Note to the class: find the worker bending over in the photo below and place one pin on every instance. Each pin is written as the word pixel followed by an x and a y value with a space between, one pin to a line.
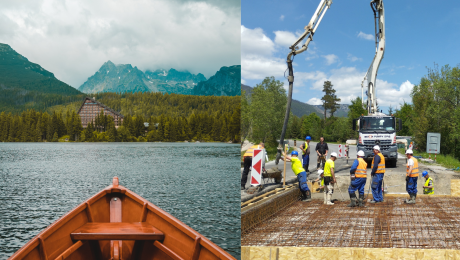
pixel 428 188
pixel 378 171
pixel 306 153
pixel 320 181
pixel 358 177
pixel 329 178
pixel 299 171
pixel 411 177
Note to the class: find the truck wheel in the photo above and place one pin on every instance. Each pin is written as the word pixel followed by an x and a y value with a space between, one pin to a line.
pixel 394 163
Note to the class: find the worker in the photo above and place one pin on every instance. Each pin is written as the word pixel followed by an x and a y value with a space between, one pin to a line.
pixel 358 177
pixel 377 173
pixel 329 178
pixel 320 181
pixel 247 163
pixel 306 153
pixel 428 188
pixel 321 151
pixel 299 171
pixel 411 177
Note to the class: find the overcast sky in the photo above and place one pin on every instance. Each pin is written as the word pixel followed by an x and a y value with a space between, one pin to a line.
pixel 73 38
pixel 418 34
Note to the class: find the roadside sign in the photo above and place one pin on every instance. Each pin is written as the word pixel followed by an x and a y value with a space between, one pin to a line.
pixel 433 143
pixel 340 151
pixel 257 163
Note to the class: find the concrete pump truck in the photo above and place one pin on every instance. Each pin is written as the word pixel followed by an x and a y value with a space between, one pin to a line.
pixel 377 128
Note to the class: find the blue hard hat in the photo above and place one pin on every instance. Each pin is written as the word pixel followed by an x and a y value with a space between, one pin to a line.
pixel 294 153
pixel 424 173
pixel 308 137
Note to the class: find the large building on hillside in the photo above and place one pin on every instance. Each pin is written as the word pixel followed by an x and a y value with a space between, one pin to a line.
pixel 91 108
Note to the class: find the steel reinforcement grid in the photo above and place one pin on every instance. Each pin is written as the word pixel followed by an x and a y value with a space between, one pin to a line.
pixel 433 222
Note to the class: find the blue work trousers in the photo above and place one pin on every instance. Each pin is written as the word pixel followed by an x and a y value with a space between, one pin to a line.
pixel 411 185
pixel 377 187
pixel 306 161
pixel 302 178
pixel 357 184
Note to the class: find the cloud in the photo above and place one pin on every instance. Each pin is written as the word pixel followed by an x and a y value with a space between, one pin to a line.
pixel 282 18
pixel 347 82
pixel 73 39
pixel 257 55
pixel 352 58
pixel 315 101
pixel 285 38
pixel 330 59
pixel 365 36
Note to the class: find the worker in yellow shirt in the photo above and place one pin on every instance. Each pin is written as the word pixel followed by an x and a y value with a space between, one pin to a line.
pixel 329 178
pixel 299 171
pixel 428 188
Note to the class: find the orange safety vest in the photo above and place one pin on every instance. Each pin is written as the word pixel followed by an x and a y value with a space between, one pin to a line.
pixel 414 172
pixel 361 170
pixel 250 152
pixel 381 166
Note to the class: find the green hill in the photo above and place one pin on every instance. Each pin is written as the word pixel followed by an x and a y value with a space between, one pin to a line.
pixel 26 85
pixel 297 108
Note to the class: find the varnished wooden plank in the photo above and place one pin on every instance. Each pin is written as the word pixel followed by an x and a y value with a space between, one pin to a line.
pixel 69 251
pixel 117 231
pixel 168 251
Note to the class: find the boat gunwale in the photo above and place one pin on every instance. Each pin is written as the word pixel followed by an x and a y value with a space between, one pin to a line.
pixel 53 227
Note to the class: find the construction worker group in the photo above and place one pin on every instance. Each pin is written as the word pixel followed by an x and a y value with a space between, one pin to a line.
pixel 358 176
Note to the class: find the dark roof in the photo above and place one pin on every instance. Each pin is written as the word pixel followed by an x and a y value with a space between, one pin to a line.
pixel 102 105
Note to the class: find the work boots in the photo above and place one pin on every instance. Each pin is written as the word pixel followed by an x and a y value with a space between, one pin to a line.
pixel 412 199
pixel 353 200
pixel 361 200
pixel 329 196
pixel 307 196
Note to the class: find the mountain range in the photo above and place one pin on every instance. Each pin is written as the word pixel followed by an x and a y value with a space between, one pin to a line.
pixel 300 109
pixel 126 78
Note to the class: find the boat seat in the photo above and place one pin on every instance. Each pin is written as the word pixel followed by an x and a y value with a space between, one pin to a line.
pixel 117 231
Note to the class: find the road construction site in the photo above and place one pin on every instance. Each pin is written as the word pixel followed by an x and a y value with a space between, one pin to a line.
pixel 273 220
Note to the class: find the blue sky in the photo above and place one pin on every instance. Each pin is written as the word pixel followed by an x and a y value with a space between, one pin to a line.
pixel 418 34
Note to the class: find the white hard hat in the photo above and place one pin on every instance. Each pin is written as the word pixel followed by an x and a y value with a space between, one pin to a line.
pixel 361 153
pixel 377 148
pixel 409 151
pixel 320 171
pixel 334 154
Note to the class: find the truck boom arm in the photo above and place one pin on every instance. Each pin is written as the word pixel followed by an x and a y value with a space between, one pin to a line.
pixel 310 30
pixel 371 75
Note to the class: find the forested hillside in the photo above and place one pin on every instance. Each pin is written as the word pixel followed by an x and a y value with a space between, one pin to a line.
pixel 171 117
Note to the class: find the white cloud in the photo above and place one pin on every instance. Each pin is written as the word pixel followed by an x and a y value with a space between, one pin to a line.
pixel 352 58
pixel 243 81
pixel 365 36
pixel 315 101
pixel 73 39
pixel 347 82
pixel 282 18
pixel 330 58
pixel 257 60
pixel 285 38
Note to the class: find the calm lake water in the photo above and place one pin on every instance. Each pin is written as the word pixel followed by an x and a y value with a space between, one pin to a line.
pixel 196 183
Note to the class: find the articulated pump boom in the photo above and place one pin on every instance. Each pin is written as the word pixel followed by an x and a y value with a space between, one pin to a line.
pixel 371 75
pixel 377 128
pixel 310 30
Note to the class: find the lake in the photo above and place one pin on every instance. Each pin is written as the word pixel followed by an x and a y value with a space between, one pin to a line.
pixel 196 183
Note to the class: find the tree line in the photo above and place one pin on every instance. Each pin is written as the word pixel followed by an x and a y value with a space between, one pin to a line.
pixel 200 119
pixel 263 115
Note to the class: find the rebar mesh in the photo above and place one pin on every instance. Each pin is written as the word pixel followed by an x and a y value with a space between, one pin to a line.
pixel 434 222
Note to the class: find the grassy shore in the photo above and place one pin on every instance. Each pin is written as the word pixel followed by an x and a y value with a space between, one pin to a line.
pixel 447 161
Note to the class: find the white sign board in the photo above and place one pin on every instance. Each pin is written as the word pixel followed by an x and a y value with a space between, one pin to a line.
pixel 433 143
pixel 258 160
pixel 340 150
